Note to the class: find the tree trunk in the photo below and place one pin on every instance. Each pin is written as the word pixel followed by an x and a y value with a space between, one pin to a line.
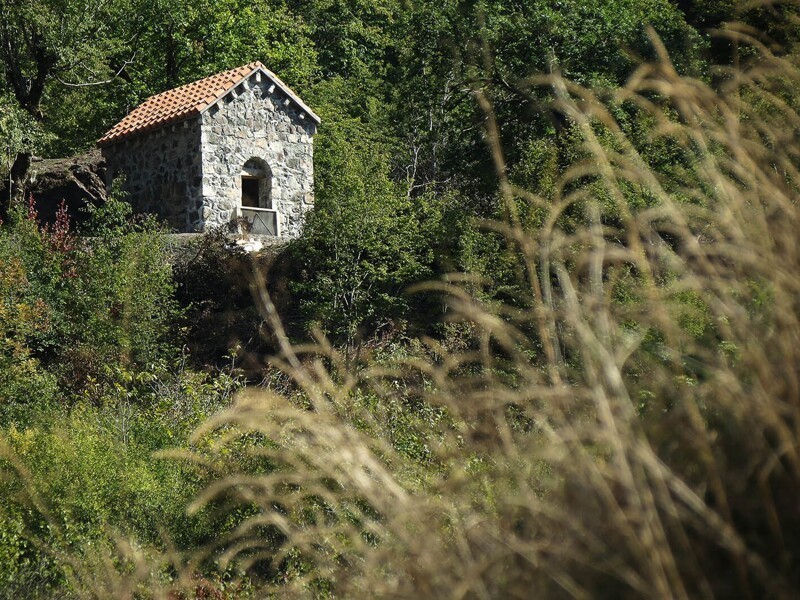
pixel 18 177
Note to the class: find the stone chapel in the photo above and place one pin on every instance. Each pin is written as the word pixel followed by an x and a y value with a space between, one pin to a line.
pixel 236 145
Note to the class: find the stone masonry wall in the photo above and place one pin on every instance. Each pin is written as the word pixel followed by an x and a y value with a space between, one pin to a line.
pixel 255 121
pixel 163 173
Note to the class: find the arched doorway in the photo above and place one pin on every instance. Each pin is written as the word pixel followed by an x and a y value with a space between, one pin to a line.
pixel 256 201
pixel 256 184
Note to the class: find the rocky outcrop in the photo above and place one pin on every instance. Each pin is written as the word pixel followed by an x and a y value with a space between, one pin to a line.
pixel 78 181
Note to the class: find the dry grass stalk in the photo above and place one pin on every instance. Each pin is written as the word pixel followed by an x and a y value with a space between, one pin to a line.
pixel 632 432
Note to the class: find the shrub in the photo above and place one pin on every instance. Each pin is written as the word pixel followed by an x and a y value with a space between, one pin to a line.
pixel 365 243
pixel 74 308
pixel 81 486
pixel 213 278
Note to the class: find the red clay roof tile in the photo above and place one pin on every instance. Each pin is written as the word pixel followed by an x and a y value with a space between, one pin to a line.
pixel 190 99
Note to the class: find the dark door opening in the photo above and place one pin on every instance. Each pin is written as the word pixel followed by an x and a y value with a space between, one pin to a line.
pixel 250 192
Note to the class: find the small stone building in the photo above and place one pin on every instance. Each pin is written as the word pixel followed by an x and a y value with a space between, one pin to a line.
pixel 234 145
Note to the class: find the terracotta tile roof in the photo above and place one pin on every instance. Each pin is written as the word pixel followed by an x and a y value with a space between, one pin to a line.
pixel 189 100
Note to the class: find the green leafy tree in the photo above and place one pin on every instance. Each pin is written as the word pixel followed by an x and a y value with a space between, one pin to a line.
pixel 365 242
pixel 43 42
pixel 178 41
pixel 20 133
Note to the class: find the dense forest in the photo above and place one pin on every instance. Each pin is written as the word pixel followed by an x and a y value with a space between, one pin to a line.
pixel 538 337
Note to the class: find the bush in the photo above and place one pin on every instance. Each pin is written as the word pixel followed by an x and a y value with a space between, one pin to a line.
pixel 81 484
pixel 78 308
pixel 365 243
pixel 213 279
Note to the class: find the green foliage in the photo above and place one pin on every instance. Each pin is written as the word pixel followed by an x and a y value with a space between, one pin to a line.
pixel 125 302
pixel 75 309
pixel 352 37
pixel 24 319
pixel 366 241
pixel 19 132
pixel 126 291
pixel 55 46
pixel 181 40
pixel 76 482
pixel 582 39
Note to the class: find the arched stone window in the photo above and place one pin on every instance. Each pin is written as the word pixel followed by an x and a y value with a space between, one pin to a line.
pixel 256 184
